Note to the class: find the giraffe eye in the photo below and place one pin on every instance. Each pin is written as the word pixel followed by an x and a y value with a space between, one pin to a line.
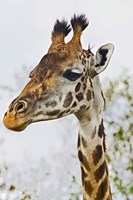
pixel 72 75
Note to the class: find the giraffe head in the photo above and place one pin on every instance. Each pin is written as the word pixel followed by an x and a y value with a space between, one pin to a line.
pixel 61 83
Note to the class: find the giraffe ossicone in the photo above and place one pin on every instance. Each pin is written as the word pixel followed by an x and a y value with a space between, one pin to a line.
pixel 66 81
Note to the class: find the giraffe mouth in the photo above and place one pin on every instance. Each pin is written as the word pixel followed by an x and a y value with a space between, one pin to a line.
pixel 13 124
pixel 18 129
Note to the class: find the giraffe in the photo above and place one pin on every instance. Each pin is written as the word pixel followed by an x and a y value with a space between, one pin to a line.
pixel 66 81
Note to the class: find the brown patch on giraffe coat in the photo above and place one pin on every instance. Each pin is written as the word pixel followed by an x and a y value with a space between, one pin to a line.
pixel 80 156
pixel 83 78
pixel 93 133
pixel 74 104
pixel 93 94
pixel 54 112
pixel 89 54
pixel 84 86
pixel 79 97
pixel 89 96
pixel 88 187
pixel 83 160
pixel 86 183
pixel 91 83
pixel 82 107
pixel 86 77
pixel 97 154
pixel 101 133
pixel 51 104
pixel 68 100
pixel 103 98
pixel 100 171
pixel 79 57
pixel 102 190
pixel 38 113
pixel 107 170
pixel 83 61
pixel 101 130
pixel 78 144
pixel 77 88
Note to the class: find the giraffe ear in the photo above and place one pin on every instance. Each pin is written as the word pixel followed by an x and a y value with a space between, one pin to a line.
pixel 102 57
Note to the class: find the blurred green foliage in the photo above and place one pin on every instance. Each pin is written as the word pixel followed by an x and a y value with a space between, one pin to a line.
pixel 119 125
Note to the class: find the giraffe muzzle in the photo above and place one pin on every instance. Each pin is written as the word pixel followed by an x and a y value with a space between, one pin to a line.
pixel 13 118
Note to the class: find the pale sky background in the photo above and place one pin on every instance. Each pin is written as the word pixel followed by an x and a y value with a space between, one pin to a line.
pixel 25 35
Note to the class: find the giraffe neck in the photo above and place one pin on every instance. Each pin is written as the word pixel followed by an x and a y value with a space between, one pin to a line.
pixel 91 153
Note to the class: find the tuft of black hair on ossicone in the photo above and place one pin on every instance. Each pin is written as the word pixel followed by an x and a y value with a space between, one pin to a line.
pixel 61 27
pixel 80 20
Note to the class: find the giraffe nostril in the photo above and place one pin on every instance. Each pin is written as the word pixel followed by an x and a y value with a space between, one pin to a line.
pixel 20 106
